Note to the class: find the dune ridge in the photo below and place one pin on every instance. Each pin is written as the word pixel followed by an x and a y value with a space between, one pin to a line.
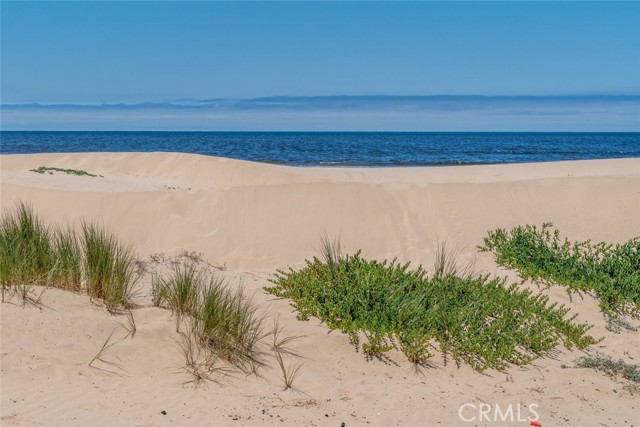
pixel 260 216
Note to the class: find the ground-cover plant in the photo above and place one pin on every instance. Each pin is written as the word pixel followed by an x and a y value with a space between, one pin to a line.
pixel 611 272
pixel 614 369
pixel 474 319
pixel 35 254
pixel 617 324
pixel 51 170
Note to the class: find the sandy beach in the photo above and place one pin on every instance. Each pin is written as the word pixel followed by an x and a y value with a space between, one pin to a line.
pixel 250 219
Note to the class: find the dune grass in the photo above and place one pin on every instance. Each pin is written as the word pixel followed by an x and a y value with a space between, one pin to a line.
pixel 474 319
pixel 67 259
pixel 222 320
pixel 289 372
pixel 229 324
pixel 109 267
pixel 35 254
pixel 179 291
pixel 26 248
pixel 611 272
pixel 221 331
pixel 200 363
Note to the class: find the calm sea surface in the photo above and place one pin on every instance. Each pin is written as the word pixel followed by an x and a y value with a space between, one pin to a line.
pixel 342 148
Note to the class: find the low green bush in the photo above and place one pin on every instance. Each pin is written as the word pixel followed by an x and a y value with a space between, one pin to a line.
pixel 475 319
pixel 611 272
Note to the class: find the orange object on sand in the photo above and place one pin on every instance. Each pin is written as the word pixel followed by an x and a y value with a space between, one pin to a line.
pixel 536 423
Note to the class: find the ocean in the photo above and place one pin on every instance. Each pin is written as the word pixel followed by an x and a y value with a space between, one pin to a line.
pixel 342 148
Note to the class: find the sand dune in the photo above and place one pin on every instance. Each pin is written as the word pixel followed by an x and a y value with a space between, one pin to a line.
pixel 254 218
pixel 260 216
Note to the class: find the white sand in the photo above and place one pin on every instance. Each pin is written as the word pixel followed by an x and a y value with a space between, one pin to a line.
pixel 255 218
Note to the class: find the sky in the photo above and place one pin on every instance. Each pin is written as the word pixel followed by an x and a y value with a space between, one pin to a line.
pixel 550 57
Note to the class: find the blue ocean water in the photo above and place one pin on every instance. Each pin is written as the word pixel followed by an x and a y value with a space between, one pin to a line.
pixel 342 148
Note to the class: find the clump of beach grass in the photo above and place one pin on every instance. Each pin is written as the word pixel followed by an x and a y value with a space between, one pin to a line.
pixel 611 272
pixel 35 254
pixel 67 259
pixel 180 290
pixel 110 268
pixel 26 248
pixel 229 324
pixel 222 321
pixel 478 320
pixel 200 363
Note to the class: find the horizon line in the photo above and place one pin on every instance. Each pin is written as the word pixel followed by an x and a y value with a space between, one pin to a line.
pixel 180 102
pixel 297 131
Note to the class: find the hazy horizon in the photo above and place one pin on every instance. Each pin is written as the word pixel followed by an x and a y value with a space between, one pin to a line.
pixel 440 66
pixel 594 113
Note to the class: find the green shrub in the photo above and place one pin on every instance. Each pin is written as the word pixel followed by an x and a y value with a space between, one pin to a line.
pixel 612 273
pixel 474 319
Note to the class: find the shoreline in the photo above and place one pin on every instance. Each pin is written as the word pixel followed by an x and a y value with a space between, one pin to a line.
pixel 331 165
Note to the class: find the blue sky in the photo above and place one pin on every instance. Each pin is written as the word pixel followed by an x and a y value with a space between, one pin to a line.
pixel 93 53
